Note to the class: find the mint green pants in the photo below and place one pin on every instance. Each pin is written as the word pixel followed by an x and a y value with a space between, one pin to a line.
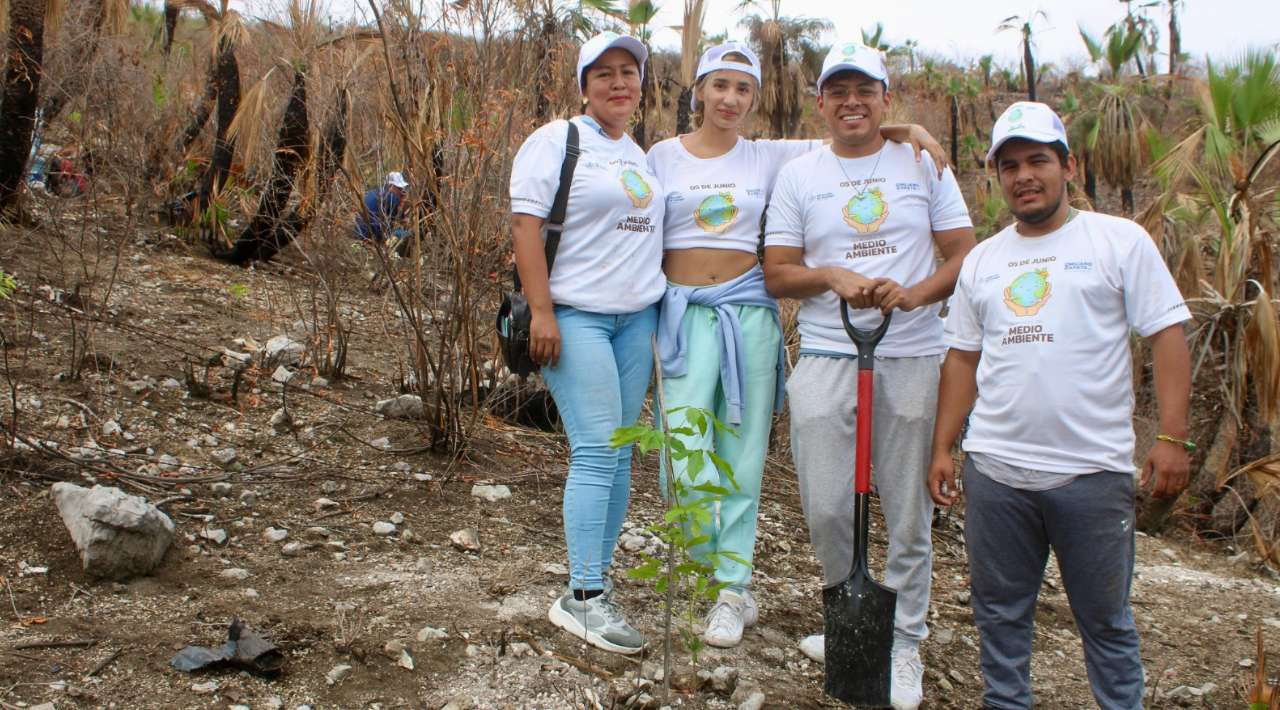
pixel 735 530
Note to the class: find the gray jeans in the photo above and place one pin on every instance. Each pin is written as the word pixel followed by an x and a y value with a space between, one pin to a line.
pixel 823 396
pixel 1008 533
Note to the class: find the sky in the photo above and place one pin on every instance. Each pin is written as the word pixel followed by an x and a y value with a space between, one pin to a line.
pixel 959 29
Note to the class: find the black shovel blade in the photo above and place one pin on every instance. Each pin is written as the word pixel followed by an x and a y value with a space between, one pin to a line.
pixel 859 639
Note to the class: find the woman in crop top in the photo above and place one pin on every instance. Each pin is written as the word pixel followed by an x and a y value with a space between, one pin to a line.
pixel 593 319
pixel 719 335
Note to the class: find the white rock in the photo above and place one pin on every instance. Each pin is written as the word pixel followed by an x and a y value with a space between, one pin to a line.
pixel 492 494
pixel 632 542
pixel 205 688
pixel 724 679
pixel 235 360
pixel 217 536
pixel 381 442
pixel 429 633
pixel 248 498
pixel 324 504
pixel 383 528
pixel 168 463
pixel 755 701
pixel 467 540
pixel 337 673
pixel 234 573
pixel 283 350
pixel 520 649
pixel 556 568
pixel 251 593
pixel 275 702
pixel 275 534
pixel 406 661
pixel 224 457
pixel 397 518
pixel 282 375
pixel 220 489
pixel 422 477
pixel 171 384
pixel 112 428
pixel 406 406
pixel 282 422
pixel 293 549
pixel 117 535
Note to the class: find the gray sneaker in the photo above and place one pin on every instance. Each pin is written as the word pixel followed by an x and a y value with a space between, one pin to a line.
pixel 596 621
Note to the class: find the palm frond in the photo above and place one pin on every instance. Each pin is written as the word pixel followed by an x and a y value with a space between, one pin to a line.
pixel 251 129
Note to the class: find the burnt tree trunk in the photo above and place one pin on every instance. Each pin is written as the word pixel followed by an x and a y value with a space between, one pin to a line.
pixel 684 117
pixel 543 108
pixel 267 233
pixel 226 78
pixel 21 95
pixel 171 12
pixel 1175 39
pixel 1126 200
pixel 1090 181
pixel 646 98
pixel 1029 66
pixel 955 132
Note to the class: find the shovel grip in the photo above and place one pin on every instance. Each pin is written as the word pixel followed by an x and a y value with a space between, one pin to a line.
pixel 864 340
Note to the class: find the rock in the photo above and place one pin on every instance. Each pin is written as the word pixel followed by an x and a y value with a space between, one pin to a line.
pixel 234 360
pixel 170 383
pixel 234 573
pixel 1208 688
pixel 275 702
pixel 1173 556
pixel 137 387
pixel 406 660
pixel 755 701
pixel 319 382
pixel 324 504
pixel 956 676
pixel 275 535
pixel 430 633
pixel 724 679
pixel 248 498
pixel 283 350
pixel 556 569
pixel 644 701
pixel 337 674
pixel 775 655
pixel 397 518
pixel 282 422
pixel 631 542
pixel 944 637
pixel 112 428
pixel 945 685
pixel 117 535
pixel 520 649
pixel 686 680
pixel 282 375
pixel 492 494
pixel 422 477
pixel 224 457
pixel 406 406
pixel 329 487
pixel 221 489
pixel 315 532
pixel 383 528
pixel 217 536
pixel 168 463
pixel 207 688
pixel 467 540
pixel 381 442
pixel 459 702
pixel 293 549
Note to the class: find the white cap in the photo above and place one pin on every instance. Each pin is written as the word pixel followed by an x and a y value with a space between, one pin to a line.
pixel 395 179
pixel 854 56
pixel 603 42
pixel 713 60
pixel 1031 120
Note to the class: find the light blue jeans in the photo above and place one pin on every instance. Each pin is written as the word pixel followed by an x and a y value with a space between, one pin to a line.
pixel 598 385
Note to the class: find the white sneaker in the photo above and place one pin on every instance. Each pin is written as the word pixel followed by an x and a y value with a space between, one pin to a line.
pixel 905 692
pixel 732 612
pixel 815 647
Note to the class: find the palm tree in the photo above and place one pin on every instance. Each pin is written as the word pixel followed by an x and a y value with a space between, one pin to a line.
pixel 1025 29
pixel 1113 140
pixel 1213 207
pixel 21 96
pixel 777 40
pixel 1175 37
pixel 875 38
pixel 695 13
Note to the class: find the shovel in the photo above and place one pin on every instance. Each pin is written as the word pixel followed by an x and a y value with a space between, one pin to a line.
pixel 859 611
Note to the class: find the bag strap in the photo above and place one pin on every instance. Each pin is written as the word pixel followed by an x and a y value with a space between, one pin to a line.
pixel 555 220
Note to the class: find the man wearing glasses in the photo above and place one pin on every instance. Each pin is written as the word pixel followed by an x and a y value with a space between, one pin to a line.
pixel 859 220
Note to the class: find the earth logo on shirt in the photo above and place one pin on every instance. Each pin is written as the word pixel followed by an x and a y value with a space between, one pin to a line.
pixel 717 213
pixel 866 211
pixel 1028 293
pixel 638 191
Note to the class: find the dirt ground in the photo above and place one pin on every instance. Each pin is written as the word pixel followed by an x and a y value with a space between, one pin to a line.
pixel 340 596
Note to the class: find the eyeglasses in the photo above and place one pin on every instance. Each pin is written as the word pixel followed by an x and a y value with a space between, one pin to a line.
pixel 864 92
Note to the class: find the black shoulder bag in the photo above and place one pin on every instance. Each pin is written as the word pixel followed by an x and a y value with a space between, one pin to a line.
pixel 514 316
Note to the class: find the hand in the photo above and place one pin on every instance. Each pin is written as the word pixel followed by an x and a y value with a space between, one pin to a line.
pixel 1171 467
pixel 544 337
pixel 943 487
pixel 922 140
pixel 853 287
pixel 890 294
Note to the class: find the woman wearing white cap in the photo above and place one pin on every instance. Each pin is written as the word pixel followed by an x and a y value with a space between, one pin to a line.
pixel 594 317
pixel 719 334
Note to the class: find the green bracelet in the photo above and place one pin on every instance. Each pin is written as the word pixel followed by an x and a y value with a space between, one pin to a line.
pixel 1188 445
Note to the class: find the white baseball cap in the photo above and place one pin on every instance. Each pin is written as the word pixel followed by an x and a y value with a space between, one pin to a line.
pixel 395 179
pixel 855 56
pixel 603 42
pixel 1031 120
pixel 713 60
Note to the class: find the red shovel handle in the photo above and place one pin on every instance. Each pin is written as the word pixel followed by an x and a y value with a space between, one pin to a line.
pixel 865 341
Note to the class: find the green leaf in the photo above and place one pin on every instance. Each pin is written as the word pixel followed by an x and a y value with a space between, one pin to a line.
pixel 712 489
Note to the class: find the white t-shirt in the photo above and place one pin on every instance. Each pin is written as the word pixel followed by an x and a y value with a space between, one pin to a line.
pixel 610 255
pixel 874 215
pixel 718 202
pixel 1051 316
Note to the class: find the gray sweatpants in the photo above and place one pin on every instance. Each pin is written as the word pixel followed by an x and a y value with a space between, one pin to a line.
pixel 1008 533
pixel 823 396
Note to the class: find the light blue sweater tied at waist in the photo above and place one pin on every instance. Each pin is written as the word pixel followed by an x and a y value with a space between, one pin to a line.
pixel 746 290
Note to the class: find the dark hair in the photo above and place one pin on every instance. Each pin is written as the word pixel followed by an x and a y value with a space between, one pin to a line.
pixel 699 113
pixel 1058 147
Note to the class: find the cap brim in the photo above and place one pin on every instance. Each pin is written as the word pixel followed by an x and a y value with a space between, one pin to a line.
pixel 1033 136
pixel 633 46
